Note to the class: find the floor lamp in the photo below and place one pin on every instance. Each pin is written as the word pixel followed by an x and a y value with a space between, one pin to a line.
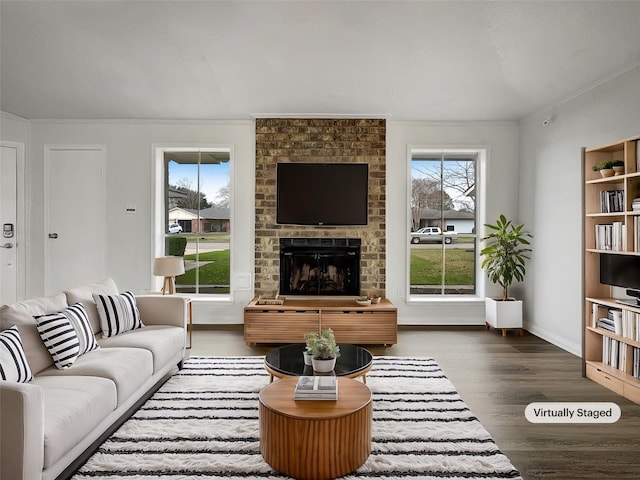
pixel 168 267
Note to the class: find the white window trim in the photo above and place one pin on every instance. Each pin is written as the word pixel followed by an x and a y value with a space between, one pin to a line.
pixel 482 152
pixel 158 212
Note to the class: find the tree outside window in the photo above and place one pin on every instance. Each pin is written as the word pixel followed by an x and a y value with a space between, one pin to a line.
pixel 443 251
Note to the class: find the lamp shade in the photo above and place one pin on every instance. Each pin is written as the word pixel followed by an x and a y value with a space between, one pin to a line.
pixel 168 266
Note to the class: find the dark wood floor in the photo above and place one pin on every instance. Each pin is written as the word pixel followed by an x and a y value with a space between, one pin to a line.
pixel 498 377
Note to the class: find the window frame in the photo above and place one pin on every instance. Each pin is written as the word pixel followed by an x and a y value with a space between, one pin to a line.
pixel 482 153
pixel 159 213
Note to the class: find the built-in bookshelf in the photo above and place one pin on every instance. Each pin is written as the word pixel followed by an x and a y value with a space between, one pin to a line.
pixel 611 204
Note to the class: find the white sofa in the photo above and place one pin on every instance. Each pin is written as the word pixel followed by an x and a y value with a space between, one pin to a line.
pixel 47 423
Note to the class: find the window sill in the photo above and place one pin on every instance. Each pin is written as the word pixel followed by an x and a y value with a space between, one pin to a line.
pixel 446 300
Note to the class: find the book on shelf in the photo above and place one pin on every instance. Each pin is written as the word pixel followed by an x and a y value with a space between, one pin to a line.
pixel 606 324
pixel 316 388
pixel 611 201
pixel 610 236
pixel 631 325
pixel 615 316
pixel 614 353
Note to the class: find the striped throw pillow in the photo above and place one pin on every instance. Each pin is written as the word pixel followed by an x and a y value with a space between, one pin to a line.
pixel 60 338
pixel 79 319
pixel 118 313
pixel 13 361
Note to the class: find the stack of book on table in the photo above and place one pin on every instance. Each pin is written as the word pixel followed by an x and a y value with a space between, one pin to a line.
pixel 316 388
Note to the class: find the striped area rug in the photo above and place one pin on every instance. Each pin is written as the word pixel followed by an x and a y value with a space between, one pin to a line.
pixel 203 423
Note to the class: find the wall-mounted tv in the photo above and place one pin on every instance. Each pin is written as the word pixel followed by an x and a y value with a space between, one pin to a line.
pixel 620 271
pixel 326 194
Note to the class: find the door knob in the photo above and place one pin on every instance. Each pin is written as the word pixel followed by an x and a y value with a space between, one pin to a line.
pixel 53 235
pixel 7 245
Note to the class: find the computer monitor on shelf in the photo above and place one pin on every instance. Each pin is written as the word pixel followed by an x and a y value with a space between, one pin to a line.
pixel 622 271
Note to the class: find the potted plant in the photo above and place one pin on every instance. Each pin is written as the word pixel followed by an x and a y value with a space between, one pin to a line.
pixel 618 167
pixel 605 167
pixel 310 339
pixel 505 254
pixel 324 350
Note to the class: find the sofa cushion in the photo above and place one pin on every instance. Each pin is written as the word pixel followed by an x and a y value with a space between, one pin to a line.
pixel 13 362
pixel 84 295
pixel 128 368
pixel 118 313
pixel 73 407
pixel 21 314
pixel 163 341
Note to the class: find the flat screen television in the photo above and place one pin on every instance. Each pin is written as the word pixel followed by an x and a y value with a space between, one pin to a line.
pixel 327 194
pixel 621 271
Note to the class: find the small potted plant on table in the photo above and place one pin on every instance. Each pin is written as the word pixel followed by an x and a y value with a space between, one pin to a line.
pixel 324 350
pixel 310 339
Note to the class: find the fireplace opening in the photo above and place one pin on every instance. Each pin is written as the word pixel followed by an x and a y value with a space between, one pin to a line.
pixel 319 266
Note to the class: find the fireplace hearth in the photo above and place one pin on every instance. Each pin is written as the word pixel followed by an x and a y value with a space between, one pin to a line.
pixel 320 266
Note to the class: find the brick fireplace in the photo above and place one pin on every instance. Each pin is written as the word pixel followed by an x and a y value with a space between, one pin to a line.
pixel 319 140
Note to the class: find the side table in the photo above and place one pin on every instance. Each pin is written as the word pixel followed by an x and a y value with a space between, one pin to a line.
pixel 315 439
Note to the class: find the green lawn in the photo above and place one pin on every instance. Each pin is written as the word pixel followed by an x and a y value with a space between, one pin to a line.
pixel 214 273
pixel 426 266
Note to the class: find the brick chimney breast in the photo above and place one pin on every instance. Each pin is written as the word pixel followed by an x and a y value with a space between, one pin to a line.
pixel 322 140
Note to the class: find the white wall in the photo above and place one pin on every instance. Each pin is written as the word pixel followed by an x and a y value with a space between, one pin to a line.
pixel 129 181
pixel 551 198
pixel 14 129
pixel 500 195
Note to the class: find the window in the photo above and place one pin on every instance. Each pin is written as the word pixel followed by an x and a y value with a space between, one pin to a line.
pixel 443 247
pixel 197 217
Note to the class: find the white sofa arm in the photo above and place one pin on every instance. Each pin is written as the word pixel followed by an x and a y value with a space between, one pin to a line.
pixel 162 310
pixel 21 431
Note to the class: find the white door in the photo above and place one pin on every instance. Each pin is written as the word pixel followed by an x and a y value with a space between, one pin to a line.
pixel 75 247
pixel 12 268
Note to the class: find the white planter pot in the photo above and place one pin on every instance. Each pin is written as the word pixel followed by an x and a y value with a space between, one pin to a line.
pixel 501 314
pixel 307 357
pixel 323 366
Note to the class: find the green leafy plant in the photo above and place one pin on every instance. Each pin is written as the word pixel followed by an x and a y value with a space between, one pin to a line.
pixel 506 253
pixel 322 346
pixel 602 165
pixel 310 339
pixel 617 163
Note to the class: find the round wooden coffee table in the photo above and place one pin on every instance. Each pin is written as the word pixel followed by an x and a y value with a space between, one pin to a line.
pixel 315 439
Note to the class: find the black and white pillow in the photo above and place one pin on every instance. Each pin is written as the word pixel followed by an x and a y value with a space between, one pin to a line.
pixel 79 319
pixel 118 313
pixel 13 361
pixel 60 338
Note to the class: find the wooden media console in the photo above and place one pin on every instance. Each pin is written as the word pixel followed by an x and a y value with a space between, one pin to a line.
pixel 375 324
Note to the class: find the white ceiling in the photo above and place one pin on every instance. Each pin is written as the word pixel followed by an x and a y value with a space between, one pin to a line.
pixel 408 60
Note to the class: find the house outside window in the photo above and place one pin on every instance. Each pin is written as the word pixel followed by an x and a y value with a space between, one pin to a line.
pixel 443 204
pixel 197 217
